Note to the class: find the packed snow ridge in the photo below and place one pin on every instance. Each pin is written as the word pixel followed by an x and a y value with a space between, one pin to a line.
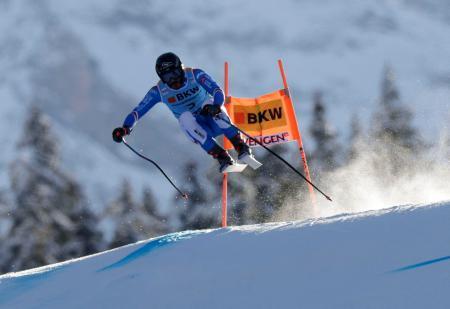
pixel 392 258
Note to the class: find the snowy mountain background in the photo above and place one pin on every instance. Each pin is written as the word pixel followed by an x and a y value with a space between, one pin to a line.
pixel 88 63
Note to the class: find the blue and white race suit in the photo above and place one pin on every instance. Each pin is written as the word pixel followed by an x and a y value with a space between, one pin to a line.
pixel 186 103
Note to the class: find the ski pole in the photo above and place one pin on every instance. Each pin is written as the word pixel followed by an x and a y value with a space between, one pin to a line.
pixel 184 195
pixel 276 155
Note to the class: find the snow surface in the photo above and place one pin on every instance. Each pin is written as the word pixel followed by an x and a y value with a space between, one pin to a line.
pixel 392 258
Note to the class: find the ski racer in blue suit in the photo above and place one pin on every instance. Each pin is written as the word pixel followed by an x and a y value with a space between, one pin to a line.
pixel 196 101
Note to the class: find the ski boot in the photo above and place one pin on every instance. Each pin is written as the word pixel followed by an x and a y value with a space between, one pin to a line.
pixel 244 152
pixel 226 162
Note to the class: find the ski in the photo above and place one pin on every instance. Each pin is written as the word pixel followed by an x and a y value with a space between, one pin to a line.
pixel 234 168
pixel 250 161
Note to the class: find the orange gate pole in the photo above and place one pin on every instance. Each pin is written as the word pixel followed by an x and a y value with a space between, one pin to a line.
pixel 225 175
pixel 299 140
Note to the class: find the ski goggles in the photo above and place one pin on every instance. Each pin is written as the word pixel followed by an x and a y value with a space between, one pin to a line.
pixel 172 76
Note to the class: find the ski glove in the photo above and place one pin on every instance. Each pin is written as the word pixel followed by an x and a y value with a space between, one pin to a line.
pixel 119 133
pixel 211 110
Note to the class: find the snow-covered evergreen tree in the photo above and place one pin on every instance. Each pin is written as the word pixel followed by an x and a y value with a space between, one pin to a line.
pixel 241 197
pixel 393 138
pixel 122 212
pixel 393 120
pixel 5 213
pixel 256 196
pixel 241 194
pixel 158 223
pixel 197 212
pixel 50 220
pixel 274 186
pixel 133 221
pixel 86 236
pixel 325 154
pixel 356 137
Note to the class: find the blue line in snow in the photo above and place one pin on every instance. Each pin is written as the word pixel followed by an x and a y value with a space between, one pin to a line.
pixel 422 264
pixel 151 246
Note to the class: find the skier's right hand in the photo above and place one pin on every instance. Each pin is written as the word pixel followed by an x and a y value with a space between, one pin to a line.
pixel 119 133
pixel 210 110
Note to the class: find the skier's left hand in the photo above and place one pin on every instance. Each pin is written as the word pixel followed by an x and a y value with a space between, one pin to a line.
pixel 211 110
pixel 119 133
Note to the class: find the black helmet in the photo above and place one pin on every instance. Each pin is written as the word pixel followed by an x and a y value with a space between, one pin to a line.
pixel 170 69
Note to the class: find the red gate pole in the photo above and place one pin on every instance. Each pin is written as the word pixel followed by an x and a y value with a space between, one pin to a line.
pixel 299 140
pixel 225 175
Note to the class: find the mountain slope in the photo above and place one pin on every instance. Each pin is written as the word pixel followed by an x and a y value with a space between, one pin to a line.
pixel 48 65
pixel 392 258
pixel 340 49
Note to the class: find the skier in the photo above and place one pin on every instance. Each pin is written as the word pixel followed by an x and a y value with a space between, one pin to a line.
pixel 196 101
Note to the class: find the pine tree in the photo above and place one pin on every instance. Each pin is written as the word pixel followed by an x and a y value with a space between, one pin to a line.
pixel 393 120
pixel 326 149
pixel 128 220
pixel 274 186
pixel 241 195
pixel 46 225
pixel 196 212
pixel 257 196
pixel 158 223
pixel 356 137
pixel 393 137
pixel 86 238
pixel 5 211
pixel 134 221
pixel 38 140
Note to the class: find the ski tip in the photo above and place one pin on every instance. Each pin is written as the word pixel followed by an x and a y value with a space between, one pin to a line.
pixel 234 168
pixel 250 161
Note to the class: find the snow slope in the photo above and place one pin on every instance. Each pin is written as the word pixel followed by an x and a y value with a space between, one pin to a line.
pixel 393 258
